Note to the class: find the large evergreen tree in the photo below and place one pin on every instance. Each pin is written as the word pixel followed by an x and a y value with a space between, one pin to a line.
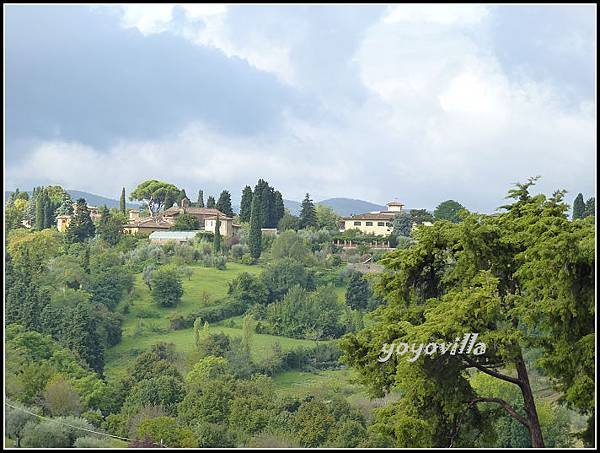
pixel 122 205
pixel 578 207
pixel 157 195
pixel 255 236
pixel 590 207
pixel 200 202
pixel 246 204
pixel 308 214
pixel 499 277
pixel 81 226
pixel 358 292
pixel 210 202
pixel 448 210
pixel 224 203
pixel 66 206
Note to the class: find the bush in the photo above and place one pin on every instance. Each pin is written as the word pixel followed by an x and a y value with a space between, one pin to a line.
pixel 91 442
pixel 213 313
pixel 166 287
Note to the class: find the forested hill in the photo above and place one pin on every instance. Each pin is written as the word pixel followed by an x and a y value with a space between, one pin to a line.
pixel 92 199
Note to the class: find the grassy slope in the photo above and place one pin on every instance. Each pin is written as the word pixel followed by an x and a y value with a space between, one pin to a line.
pixel 155 329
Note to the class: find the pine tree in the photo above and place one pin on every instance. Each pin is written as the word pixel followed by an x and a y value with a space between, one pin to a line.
pixel 80 335
pixel 217 236
pixel 66 207
pixel 200 203
pixel 246 204
pixel 358 292
pixel 578 207
pixel 308 214
pixel 122 206
pixel 81 226
pixel 224 203
pixel 210 203
pixel 255 236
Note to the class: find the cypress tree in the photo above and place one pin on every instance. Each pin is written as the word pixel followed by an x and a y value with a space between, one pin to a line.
pixel 246 204
pixel 81 226
pixel 200 199
pixel 39 212
pixel 217 237
pixel 578 207
pixel 279 208
pixel 210 202
pixel 590 207
pixel 122 206
pixel 81 336
pixel 224 203
pixel 181 196
pixel 255 236
pixel 308 214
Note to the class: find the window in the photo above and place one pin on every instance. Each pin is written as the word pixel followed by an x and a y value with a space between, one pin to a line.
pixel 356 223
pixel 380 223
pixel 369 223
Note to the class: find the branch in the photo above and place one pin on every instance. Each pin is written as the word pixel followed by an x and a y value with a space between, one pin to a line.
pixel 511 410
pixel 493 373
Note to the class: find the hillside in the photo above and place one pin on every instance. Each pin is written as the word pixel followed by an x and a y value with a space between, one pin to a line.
pixel 92 199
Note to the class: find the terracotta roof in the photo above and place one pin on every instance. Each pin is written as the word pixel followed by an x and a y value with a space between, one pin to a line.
pixel 197 211
pixel 373 216
pixel 149 222
pixel 395 203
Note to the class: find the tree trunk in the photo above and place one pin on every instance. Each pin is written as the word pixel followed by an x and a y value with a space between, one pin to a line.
pixel 535 430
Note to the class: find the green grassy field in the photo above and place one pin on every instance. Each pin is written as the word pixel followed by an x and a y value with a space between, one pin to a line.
pixel 146 324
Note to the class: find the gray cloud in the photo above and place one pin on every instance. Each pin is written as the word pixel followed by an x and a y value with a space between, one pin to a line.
pixel 75 74
pixel 422 103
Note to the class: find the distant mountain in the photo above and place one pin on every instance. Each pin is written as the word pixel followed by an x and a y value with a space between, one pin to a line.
pixel 92 199
pixel 342 206
pixel 293 206
pixel 349 206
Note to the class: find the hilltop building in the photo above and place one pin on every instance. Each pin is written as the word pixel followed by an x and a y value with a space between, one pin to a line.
pixel 207 219
pixel 375 222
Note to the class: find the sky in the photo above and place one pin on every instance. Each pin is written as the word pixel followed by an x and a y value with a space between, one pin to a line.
pixel 420 103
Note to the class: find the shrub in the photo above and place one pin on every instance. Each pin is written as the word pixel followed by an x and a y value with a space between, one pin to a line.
pixel 166 287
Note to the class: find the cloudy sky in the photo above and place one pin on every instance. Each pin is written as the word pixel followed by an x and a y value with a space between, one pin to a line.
pixel 419 103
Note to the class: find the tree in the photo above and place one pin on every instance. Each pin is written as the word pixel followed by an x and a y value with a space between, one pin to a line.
pixel 81 226
pixel 255 236
pixel 17 417
pixel 308 214
pixel 186 222
pixel 420 216
pixel 327 218
pixel 166 286
pixel 279 276
pixel 167 432
pixel 210 203
pixel 448 210
pixel 156 195
pixel 246 204
pixel 110 227
pixel 122 205
pixel 497 276
pixel 278 209
pixel 80 334
pixel 217 236
pixel 200 203
pixel 290 244
pixel 358 292
pixel 61 398
pixel 590 207
pixel 66 206
pixel 180 197
pixel 402 224
pixel 248 289
pixel 288 222
pixel 224 203
pixel 578 207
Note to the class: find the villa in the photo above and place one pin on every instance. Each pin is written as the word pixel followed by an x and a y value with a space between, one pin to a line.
pixel 375 222
pixel 207 219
